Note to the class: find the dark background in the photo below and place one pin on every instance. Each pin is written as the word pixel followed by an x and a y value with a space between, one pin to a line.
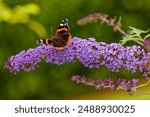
pixel 50 81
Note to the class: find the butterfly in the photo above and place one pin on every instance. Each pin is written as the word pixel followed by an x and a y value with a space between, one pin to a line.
pixel 61 39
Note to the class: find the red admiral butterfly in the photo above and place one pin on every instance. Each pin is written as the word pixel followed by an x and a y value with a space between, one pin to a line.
pixel 61 39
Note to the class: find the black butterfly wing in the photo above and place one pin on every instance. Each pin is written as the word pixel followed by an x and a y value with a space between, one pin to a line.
pixel 63 28
pixel 62 40
pixel 62 37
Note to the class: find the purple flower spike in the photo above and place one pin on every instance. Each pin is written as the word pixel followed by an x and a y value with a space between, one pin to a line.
pixel 144 65
pixel 107 83
pixel 146 43
pixel 90 53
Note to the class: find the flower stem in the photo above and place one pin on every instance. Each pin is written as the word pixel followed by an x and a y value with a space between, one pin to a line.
pixel 141 92
pixel 121 31
pixel 140 43
pixel 135 89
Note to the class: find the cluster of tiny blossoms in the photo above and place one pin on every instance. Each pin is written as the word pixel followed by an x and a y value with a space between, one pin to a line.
pixel 102 18
pixel 145 65
pixel 90 53
pixel 108 83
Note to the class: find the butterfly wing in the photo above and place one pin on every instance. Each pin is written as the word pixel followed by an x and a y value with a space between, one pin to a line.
pixel 63 28
pixel 62 41
pixel 62 36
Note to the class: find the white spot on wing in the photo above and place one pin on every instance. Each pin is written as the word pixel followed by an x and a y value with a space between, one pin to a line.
pixel 61 24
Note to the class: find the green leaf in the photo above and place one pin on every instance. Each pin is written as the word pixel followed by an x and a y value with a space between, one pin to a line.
pixel 125 39
pixel 137 32
pixel 147 36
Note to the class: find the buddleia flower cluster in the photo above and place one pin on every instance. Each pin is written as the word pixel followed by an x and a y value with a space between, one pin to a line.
pixel 90 53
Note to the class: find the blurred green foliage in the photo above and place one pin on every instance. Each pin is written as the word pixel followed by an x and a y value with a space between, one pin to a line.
pixel 21 14
pixel 23 22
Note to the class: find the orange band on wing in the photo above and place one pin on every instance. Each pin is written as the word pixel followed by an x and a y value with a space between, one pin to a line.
pixel 59 48
pixel 69 40
pixel 62 29
pixel 46 42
